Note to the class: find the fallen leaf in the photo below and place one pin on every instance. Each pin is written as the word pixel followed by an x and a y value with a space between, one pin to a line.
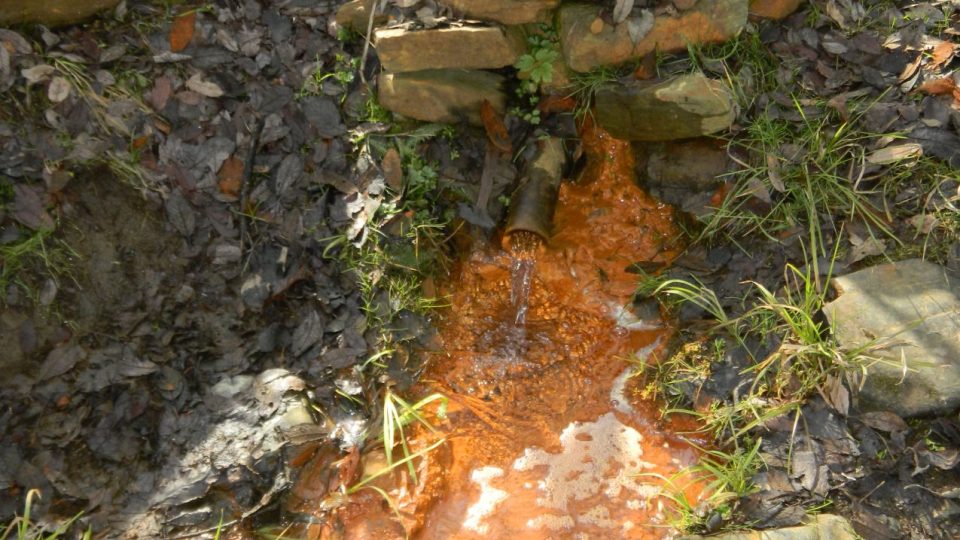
pixel 647 68
pixel 773 172
pixel 884 421
pixel 204 88
pixel 58 90
pixel 393 170
pixel 924 223
pixel 495 128
pixel 38 73
pixel 231 177
pixel 621 9
pixel 910 69
pixel 893 154
pixel 181 31
pixel 865 247
pixel 836 395
pixel 554 104
pixel 941 53
pixel 938 87
pixel 28 209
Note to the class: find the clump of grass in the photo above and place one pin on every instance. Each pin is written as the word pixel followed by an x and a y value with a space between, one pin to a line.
pixel 795 175
pixel 34 258
pixel 800 356
pixel 24 528
pixel 721 479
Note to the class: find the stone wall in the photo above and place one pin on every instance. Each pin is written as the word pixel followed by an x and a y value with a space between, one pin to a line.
pixel 444 73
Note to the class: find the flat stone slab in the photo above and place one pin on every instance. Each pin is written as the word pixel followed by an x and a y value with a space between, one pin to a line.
pixel 588 41
pixel 441 95
pixel 821 527
pixel 466 47
pixel 50 12
pixel 506 11
pixel 679 108
pixel 913 308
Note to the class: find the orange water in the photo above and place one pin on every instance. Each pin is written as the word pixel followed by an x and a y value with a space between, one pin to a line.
pixel 544 436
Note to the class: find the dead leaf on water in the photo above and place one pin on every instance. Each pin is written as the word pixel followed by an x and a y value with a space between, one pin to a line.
pixel 495 128
pixel 181 31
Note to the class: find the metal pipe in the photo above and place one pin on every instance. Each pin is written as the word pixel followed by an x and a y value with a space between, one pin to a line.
pixel 535 199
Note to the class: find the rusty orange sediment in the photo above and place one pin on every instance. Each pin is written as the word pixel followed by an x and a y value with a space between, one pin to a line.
pixel 545 438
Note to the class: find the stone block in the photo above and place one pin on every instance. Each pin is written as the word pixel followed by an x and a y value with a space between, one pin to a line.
pixel 441 95
pixel 911 310
pixel 355 15
pixel 466 47
pixel 588 41
pixel 679 108
pixel 773 9
pixel 818 527
pixel 506 11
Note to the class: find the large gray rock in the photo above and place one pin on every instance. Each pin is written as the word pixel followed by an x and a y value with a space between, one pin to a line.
pixel 506 11
pixel 441 95
pixel 465 47
pixel 50 12
pixel 588 41
pixel 820 527
pixel 913 308
pixel 679 108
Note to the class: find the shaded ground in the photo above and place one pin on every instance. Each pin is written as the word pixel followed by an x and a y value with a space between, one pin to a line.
pixel 185 320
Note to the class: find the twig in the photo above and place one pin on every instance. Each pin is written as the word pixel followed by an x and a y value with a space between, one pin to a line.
pixel 245 181
pixel 366 38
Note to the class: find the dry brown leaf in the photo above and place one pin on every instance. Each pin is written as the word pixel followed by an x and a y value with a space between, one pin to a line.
pixel 393 170
pixel 647 69
pixel 495 128
pixel 773 172
pixel 910 69
pixel 181 31
pixel 554 104
pixel 836 394
pixel 230 177
pixel 884 421
pixel 942 53
pixel 893 154
pixel 938 87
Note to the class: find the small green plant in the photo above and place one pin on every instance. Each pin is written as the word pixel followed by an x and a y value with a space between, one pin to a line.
pixel 24 528
pixel 344 72
pixel 536 65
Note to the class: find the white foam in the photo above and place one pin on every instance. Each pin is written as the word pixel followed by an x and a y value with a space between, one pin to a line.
pixel 615 451
pixel 490 498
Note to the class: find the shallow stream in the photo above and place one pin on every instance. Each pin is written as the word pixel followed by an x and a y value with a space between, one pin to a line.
pixel 545 435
